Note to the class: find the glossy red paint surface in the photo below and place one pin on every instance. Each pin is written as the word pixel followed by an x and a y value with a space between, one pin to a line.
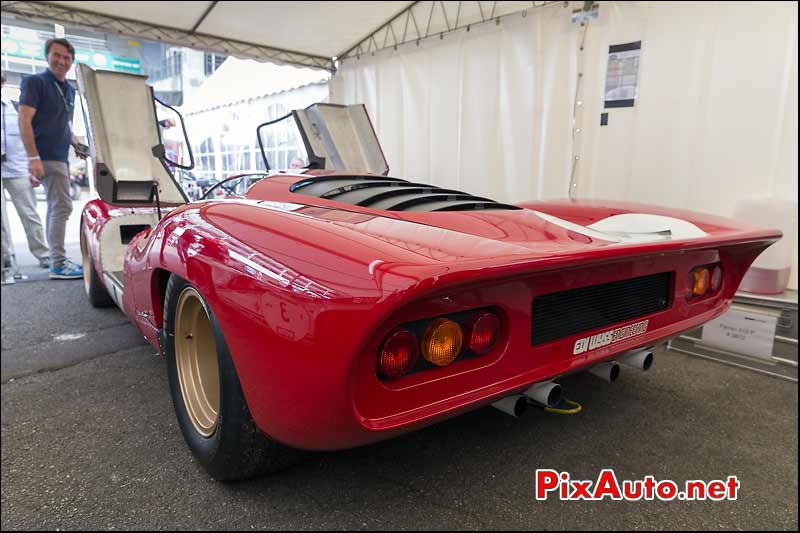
pixel 305 290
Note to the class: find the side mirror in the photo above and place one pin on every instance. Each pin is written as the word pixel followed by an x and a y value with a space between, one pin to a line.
pixel 174 149
pixel 281 144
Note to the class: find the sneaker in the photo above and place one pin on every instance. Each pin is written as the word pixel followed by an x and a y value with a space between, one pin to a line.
pixel 66 270
pixel 44 262
pixel 8 277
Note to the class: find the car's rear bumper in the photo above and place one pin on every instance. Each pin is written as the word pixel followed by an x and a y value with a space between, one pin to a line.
pixel 307 389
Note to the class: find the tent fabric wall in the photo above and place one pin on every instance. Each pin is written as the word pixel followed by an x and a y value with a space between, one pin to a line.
pixel 490 111
pixel 486 111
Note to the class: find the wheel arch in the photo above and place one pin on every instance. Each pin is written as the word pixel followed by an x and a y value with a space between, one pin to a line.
pixel 158 292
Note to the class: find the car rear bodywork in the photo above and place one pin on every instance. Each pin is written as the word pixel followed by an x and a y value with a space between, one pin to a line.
pixel 309 272
pixel 305 294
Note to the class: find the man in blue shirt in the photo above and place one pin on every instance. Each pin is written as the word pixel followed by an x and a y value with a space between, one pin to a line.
pixel 45 123
pixel 15 181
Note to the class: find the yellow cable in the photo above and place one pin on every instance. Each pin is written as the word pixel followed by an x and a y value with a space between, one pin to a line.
pixel 575 410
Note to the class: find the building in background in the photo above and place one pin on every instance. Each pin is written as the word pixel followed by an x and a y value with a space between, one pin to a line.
pixel 174 72
pixel 23 49
pixel 223 99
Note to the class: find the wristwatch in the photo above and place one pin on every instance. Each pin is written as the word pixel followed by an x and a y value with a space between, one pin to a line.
pixel 33 158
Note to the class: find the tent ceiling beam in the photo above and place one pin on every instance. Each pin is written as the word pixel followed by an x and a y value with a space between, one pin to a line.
pixel 435 18
pixel 203 16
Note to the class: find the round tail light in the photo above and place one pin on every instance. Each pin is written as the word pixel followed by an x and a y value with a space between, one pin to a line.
pixel 442 342
pixel 700 280
pixel 398 354
pixel 716 278
pixel 483 333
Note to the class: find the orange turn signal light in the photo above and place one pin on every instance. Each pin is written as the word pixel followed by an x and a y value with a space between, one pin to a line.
pixel 442 342
pixel 699 280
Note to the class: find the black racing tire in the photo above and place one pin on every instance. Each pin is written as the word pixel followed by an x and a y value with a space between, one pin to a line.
pixel 235 449
pixel 95 290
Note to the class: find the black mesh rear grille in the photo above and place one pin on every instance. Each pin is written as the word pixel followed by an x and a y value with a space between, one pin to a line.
pixel 565 313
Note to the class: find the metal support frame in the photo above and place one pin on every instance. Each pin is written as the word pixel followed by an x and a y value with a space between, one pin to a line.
pixel 422 20
pixel 577 116
pixel 63 14
pixel 578 107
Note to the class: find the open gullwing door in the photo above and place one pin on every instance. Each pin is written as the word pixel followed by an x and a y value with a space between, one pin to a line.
pixel 124 139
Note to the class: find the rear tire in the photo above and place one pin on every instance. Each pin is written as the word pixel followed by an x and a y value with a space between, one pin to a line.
pixel 207 395
pixel 95 290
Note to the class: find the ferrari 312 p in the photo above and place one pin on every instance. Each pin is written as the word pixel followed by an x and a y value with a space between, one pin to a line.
pixel 330 306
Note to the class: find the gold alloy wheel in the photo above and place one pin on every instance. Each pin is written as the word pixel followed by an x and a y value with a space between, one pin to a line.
pixel 196 361
pixel 85 261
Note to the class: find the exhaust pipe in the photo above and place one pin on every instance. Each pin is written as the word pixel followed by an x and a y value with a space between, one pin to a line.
pixel 512 405
pixel 608 371
pixel 641 359
pixel 545 393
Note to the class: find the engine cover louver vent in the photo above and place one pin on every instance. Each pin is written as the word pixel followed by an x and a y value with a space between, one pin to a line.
pixel 392 194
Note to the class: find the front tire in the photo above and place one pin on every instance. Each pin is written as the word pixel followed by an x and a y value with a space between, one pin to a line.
pixel 95 290
pixel 210 406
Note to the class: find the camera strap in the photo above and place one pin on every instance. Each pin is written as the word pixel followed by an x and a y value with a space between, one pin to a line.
pixel 68 108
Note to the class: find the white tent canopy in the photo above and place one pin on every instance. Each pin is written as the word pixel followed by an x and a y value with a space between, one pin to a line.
pixel 245 79
pixel 324 29
pixel 306 33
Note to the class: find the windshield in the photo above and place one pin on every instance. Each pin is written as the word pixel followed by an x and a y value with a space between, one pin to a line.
pixel 281 144
pixel 324 136
pixel 230 187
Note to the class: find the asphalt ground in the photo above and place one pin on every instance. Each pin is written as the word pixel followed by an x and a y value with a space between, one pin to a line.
pixel 90 441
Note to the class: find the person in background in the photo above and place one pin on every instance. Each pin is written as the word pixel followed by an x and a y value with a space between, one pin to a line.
pixel 45 121
pixel 20 189
pixel 169 155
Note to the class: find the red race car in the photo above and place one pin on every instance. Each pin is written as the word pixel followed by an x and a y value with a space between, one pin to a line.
pixel 331 306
